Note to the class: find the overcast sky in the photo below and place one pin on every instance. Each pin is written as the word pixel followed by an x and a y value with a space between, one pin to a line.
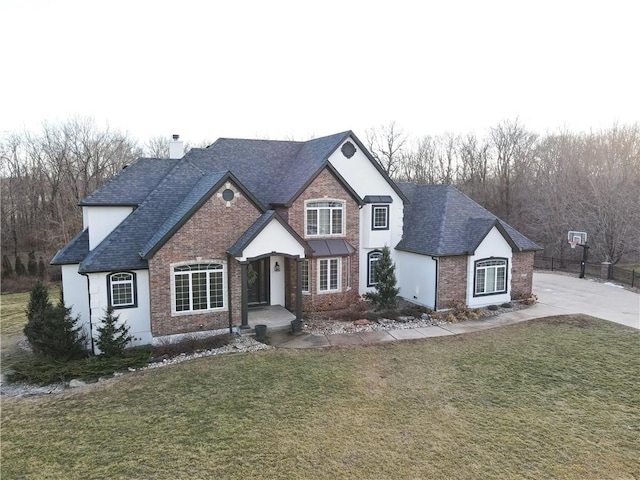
pixel 276 69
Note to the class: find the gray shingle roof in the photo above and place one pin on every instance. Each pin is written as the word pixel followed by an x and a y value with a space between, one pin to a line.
pixel 73 252
pixel 167 191
pixel 275 171
pixel 120 250
pixel 132 184
pixel 440 220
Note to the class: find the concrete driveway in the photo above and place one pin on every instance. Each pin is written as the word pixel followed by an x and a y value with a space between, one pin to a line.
pixel 564 294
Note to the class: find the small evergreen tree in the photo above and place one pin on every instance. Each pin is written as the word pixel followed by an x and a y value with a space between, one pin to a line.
pixel 386 292
pixel 112 338
pixel 51 330
pixel 32 265
pixel 7 268
pixel 42 268
pixel 21 271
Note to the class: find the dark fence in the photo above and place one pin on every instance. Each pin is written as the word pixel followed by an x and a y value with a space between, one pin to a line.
pixel 630 277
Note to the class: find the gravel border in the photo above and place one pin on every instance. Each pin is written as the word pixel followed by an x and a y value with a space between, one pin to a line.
pixel 241 344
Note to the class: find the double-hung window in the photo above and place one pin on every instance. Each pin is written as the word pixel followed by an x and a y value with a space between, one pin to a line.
pixel 329 275
pixel 373 258
pixel 325 217
pixel 122 289
pixel 199 287
pixel 491 276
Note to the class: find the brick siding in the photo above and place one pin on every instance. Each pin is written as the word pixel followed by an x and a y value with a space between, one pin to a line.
pixel 452 280
pixel 325 185
pixel 521 274
pixel 207 234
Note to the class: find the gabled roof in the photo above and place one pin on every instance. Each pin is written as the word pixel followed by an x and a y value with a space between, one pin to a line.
pixel 132 184
pixel 274 170
pixel 167 192
pixel 73 252
pixel 192 201
pixel 252 232
pixel 441 221
pixel 120 249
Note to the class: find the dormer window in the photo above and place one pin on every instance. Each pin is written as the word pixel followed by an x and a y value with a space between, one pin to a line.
pixel 324 218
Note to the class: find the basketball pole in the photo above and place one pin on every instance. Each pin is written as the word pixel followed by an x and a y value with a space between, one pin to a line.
pixel 583 263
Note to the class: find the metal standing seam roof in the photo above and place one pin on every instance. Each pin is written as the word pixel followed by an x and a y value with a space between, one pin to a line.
pixel 332 247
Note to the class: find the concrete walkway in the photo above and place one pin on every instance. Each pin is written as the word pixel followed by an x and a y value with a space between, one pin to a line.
pixel 557 295
pixel 284 339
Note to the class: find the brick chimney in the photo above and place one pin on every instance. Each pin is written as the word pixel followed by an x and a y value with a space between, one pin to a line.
pixel 176 147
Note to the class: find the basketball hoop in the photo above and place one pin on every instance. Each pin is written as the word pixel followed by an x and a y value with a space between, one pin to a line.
pixel 576 238
pixel 573 244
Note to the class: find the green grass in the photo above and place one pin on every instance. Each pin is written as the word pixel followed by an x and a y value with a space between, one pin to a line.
pixel 552 398
pixel 12 321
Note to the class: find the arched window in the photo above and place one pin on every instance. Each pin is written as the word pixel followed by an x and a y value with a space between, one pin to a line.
pixel 372 260
pixel 490 276
pixel 199 287
pixel 121 289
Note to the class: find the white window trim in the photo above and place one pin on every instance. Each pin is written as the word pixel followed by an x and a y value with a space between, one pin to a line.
pixel 339 273
pixel 131 281
pixel 378 254
pixel 344 216
pixel 386 209
pixel 478 266
pixel 225 306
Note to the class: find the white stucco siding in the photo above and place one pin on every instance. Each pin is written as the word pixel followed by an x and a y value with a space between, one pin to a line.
pixel 101 221
pixel 273 238
pixel 276 281
pixel 416 276
pixel 76 297
pixel 363 177
pixel 138 318
pixel 493 245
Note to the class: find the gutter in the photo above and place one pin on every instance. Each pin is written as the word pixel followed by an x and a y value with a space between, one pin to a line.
pixel 435 298
pixel 93 347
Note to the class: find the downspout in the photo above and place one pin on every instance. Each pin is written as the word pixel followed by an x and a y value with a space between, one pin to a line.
pixel 93 348
pixel 229 296
pixel 435 298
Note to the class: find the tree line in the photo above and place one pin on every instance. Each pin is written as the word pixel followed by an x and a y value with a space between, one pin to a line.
pixel 543 185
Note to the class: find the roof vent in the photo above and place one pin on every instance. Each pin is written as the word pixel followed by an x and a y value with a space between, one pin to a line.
pixel 176 147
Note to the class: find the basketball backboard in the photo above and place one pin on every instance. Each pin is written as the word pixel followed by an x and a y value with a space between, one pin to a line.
pixel 576 238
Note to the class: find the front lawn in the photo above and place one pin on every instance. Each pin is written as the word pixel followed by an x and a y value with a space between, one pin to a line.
pixel 552 398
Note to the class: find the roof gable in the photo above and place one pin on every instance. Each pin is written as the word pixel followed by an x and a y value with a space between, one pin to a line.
pixel 193 200
pixel 440 220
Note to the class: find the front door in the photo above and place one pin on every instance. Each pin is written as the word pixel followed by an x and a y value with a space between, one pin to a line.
pixel 258 282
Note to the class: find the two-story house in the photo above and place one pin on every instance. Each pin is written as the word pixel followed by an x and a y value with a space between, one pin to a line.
pixel 190 243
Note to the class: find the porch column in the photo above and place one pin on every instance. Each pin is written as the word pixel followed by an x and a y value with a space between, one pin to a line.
pixel 244 309
pixel 299 288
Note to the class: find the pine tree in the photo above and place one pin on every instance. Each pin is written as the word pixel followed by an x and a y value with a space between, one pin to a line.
pixel 32 265
pixel 51 330
pixel 112 338
pixel 386 292
pixel 7 268
pixel 21 271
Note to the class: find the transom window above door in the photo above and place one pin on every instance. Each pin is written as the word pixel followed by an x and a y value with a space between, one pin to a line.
pixel 324 217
